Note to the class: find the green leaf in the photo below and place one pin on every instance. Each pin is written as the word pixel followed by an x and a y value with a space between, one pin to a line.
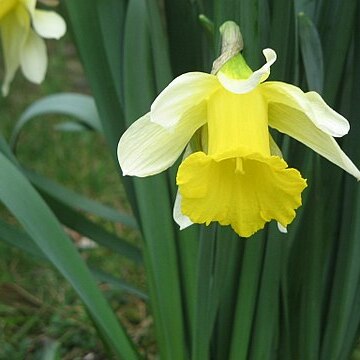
pixel 71 126
pixel 203 313
pixel 118 283
pixel 225 281
pixel 83 17
pixel 16 237
pixel 112 20
pixel 311 51
pixel 81 224
pixel 263 340
pixel 185 46
pixel 81 107
pixel 252 29
pixel 336 26
pixel 160 248
pixel 80 202
pixel 282 22
pixel 346 279
pixel 159 45
pixel 27 206
pixel 188 252
pixel 246 298
pixel 138 63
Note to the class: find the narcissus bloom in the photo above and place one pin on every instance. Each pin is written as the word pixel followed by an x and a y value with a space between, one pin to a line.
pixel 232 171
pixel 22 28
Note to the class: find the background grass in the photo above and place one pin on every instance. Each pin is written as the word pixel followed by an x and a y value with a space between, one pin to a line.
pixel 38 309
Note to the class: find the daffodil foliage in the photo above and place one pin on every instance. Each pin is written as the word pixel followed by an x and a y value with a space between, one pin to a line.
pixel 239 145
pixel 22 29
pixel 235 175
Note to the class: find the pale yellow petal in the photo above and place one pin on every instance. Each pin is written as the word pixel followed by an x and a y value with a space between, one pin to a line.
pixel 48 24
pixel 297 124
pixel 14 31
pixel 180 95
pixel 147 148
pixel 242 86
pixel 182 220
pixel 34 58
pixel 29 4
pixel 311 104
pixel 282 229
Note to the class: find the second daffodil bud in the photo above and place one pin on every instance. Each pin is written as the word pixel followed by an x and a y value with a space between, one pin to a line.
pixel 235 175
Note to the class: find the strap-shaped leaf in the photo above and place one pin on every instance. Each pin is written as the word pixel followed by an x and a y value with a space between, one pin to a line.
pixel 156 221
pixel 89 31
pixel 21 240
pixel 80 107
pixel 95 232
pixel 311 51
pixel 77 201
pixel 23 201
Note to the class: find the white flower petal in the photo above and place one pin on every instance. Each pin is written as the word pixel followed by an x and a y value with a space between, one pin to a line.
pixel 326 118
pixel 33 58
pixel 311 103
pixel 14 31
pixel 242 86
pixel 297 124
pixel 147 148
pixel 48 24
pixel 282 229
pixel 182 220
pixel 180 95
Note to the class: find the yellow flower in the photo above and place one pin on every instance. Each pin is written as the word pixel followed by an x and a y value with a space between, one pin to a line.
pixel 22 28
pixel 232 171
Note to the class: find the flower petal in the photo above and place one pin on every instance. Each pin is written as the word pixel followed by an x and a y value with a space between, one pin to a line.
pixel 297 124
pixel 147 148
pixel 182 220
pixel 213 190
pixel 34 58
pixel 241 86
pixel 48 24
pixel 14 31
pixel 30 5
pixel 311 103
pixel 180 95
pixel 282 229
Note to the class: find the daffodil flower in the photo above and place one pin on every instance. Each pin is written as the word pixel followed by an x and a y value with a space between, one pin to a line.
pixel 232 171
pixel 22 28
